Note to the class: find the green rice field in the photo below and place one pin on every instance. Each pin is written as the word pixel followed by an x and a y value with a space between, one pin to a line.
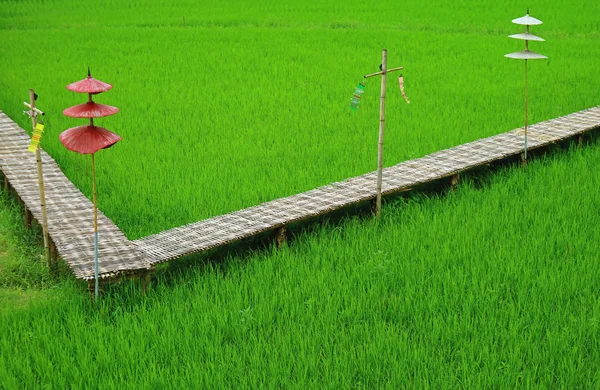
pixel 250 102
pixel 492 286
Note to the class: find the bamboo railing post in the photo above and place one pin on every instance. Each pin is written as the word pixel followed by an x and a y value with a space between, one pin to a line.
pixel 381 133
pixel 38 156
pixel 95 228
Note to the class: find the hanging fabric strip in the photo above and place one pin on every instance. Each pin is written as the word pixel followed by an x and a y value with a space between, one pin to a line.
pixel 401 82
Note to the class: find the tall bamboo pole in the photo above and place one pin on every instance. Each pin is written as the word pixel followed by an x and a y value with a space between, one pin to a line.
pixel 526 97
pixel 95 229
pixel 526 111
pixel 381 132
pixel 38 156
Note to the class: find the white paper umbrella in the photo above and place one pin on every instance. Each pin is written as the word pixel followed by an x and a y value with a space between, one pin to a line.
pixel 527 20
pixel 525 55
pixel 527 37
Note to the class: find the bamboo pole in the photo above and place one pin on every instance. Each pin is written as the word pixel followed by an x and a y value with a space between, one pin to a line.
pixel 526 98
pixel 381 73
pixel 95 229
pixel 526 111
pixel 381 132
pixel 38 156
pixel 34 109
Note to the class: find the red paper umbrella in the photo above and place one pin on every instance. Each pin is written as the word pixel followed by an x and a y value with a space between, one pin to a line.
pixel 89 85
pixel 90 110
pixel 88 139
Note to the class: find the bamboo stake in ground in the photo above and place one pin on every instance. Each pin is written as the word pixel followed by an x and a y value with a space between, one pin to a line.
pixel 383 73
pixel 526 95
pixel 38 156
pixel 95 229
pixel 381 133
pixel 526 112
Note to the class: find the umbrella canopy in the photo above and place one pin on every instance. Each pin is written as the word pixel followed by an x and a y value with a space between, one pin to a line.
pixel 90 110
pixel 526 55
pixel 527 37
pixel 88 139
pixel 527 20
pixel 89 85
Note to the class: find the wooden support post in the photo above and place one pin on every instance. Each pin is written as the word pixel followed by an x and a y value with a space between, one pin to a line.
pixel 523 160
pixel 53 252
pixel 454 181
pixel 580 140
pixel 93 287
pixel 146 279
pixel 281 237
pixel 6 184
pixel 28 217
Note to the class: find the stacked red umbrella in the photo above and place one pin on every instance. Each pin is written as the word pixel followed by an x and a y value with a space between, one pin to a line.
pixel 89 139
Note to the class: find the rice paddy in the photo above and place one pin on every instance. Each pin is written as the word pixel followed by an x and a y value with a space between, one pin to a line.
pixel 241 107
pixel 492 286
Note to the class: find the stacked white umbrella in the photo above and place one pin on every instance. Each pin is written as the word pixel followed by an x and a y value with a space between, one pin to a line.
pixel 526 55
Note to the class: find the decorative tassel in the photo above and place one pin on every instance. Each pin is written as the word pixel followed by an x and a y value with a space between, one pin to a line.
pixel 401 82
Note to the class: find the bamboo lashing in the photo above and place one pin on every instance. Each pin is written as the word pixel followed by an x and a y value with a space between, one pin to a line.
pixel 35 109
pixel 382 72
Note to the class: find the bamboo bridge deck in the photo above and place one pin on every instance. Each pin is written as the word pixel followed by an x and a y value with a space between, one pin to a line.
pixel 231 227
pixel 69 212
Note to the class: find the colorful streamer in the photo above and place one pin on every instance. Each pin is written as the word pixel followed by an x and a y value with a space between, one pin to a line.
pixel 360 89
pixel 36 138
pixel 401 82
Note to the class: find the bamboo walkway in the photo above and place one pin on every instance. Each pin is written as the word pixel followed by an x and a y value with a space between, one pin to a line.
pixel 70 212
pixel 228 228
